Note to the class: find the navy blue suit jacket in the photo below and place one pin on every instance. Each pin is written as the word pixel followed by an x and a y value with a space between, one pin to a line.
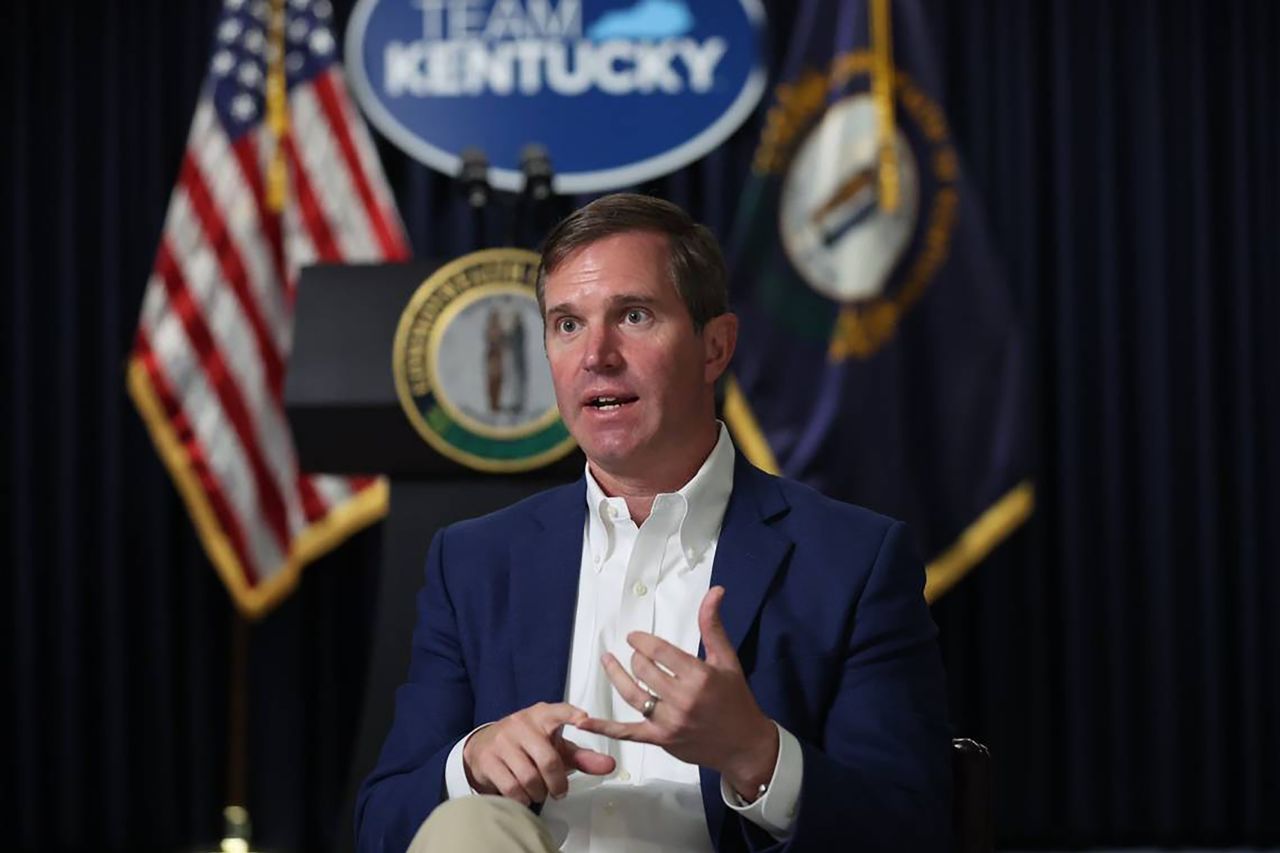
pixel 822 600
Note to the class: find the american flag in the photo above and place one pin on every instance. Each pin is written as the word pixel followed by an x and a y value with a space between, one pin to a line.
pixel 279 172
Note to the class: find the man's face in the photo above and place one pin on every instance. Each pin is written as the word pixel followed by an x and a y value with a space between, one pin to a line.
pixel 633 380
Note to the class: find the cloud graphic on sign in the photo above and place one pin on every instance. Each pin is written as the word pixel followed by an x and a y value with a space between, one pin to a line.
pixel 648 19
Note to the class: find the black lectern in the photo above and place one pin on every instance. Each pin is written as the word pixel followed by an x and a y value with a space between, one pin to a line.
pixel 341 403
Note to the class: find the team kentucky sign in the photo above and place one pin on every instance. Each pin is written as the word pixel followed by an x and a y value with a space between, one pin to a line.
pixel 617 91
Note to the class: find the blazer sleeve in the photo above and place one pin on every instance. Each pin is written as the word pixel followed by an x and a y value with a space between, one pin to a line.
pixel 433 708
pixel 881 778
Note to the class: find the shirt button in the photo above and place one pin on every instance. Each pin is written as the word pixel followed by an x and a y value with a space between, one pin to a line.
pixel 613 512
pixel 608 807
pixel 624 776
pixel 639 589
pixel 596 559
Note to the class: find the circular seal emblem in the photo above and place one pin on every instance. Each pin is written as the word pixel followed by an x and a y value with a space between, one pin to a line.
pixel 837 235
pixel 469 367
pixel 873 260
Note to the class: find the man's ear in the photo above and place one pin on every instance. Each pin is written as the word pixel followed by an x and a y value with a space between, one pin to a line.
pixel 719 338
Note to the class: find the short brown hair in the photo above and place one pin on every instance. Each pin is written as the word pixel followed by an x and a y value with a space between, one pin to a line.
pixel 695 262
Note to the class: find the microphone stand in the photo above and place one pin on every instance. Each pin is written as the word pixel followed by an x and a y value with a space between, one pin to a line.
pixel 539 205
pixel 529 214
pixel 474 180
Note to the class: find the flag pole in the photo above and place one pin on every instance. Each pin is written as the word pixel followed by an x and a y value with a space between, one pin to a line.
pixel 277 109
pixel 882 94
pixel 238 713
pixel 237 828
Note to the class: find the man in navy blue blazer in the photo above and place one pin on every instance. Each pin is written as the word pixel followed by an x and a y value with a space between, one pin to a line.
pixel 678 651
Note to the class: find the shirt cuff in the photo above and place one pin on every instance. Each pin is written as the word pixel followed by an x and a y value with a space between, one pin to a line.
pixel 455 772
pixel 775 810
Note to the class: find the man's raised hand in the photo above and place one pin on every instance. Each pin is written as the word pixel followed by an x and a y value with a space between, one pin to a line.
pixel 525 756
pixel 705 713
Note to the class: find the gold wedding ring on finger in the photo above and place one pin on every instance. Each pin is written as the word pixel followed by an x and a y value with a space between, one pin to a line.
pixel 646 710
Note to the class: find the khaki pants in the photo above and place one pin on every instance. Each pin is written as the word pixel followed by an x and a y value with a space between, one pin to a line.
pixel 482 824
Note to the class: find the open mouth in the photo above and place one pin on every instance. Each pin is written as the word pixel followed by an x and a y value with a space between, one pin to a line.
pixel 607 404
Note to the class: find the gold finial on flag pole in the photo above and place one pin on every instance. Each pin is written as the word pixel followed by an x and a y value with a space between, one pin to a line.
pixel 277 109
pixel 882 93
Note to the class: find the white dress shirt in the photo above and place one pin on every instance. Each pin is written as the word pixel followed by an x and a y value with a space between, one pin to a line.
pixel 648 578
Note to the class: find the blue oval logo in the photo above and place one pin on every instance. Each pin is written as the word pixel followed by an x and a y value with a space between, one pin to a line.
pixel 617 91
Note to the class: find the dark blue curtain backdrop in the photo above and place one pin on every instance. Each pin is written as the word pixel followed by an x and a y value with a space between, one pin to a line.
pixel 1121 654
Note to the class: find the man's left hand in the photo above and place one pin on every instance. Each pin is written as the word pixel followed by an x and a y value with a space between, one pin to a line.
pixel 704 711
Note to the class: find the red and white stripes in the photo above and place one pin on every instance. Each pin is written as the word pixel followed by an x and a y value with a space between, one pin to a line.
pixel 216 324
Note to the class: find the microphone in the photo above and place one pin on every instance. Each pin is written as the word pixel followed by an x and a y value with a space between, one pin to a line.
pixel 474 177
pixel 535 163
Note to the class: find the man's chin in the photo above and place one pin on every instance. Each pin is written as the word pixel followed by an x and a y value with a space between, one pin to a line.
pixel 617 458
pixel 609 459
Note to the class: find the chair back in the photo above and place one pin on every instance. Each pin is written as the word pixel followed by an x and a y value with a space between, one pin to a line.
pixel 971 810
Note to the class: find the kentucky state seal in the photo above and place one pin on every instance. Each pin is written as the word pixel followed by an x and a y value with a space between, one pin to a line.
pixel 874 260
pixel 469 366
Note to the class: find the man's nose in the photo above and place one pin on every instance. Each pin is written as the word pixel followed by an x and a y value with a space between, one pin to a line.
pixel 602 355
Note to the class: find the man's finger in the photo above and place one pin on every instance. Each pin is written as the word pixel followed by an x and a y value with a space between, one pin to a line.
pixel 585 760
pixel 638 732
pixel 655 676
pixel 527 774
pixel 633 694
pixel 506 783
pixel 714 639
pixel 553 715
pixel 555 776
pixel 675 659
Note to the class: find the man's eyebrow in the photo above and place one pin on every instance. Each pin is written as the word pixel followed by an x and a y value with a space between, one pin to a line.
pixel 614 301
pixel 631 299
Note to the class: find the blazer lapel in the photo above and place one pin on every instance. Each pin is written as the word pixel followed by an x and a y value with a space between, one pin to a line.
pixel 749 554
pixel 750 551
pixel 544 592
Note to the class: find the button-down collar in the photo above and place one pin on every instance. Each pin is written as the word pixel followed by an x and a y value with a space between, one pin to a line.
pixel 697 508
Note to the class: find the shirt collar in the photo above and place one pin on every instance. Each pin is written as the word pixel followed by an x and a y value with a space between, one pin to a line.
pixel 705 498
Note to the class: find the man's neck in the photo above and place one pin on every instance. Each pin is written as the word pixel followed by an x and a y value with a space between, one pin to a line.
pixel 640 489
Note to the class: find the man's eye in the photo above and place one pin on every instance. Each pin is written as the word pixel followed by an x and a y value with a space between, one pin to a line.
pixel 567 325
pixel 636 315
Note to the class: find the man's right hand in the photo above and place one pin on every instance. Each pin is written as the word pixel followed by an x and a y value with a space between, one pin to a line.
pixel 524 757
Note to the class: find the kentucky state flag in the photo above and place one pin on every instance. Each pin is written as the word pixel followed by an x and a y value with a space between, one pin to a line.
pixel 879 357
